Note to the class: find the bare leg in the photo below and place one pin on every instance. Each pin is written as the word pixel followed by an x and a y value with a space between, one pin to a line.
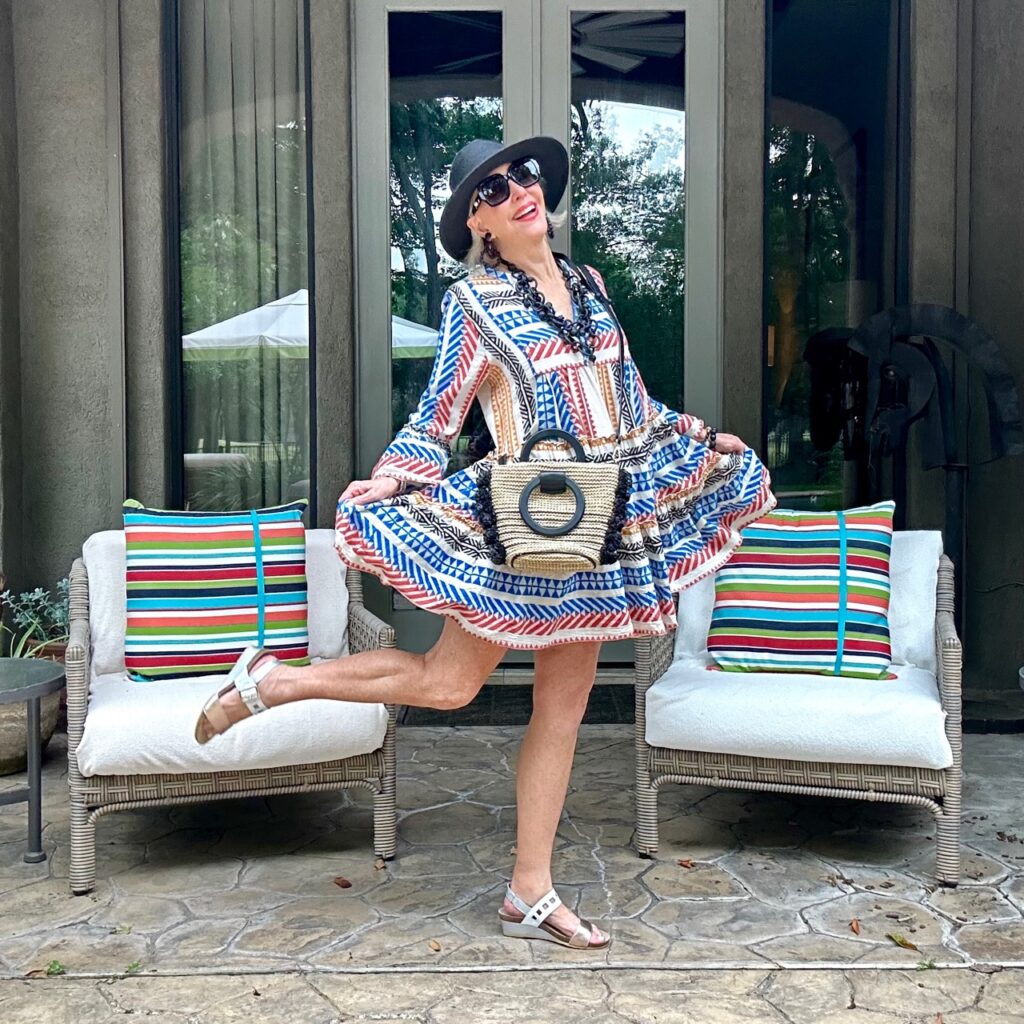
pixel 448 676
pixel 562 683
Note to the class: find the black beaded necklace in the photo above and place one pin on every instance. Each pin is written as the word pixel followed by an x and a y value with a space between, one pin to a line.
pixel 578 333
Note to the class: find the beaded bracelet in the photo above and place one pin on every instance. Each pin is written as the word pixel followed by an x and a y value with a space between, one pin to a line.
pixel 711 437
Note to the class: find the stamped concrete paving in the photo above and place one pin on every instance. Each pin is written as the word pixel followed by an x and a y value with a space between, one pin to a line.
pixel 566 996
pixel 249 886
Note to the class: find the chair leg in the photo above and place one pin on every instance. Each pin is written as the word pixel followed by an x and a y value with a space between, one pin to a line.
pixel 947 849
pixel 646 837
pixel 385 814
pixel 385 821
pixel 83 849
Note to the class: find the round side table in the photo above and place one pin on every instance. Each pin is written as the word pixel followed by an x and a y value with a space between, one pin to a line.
pixel 28 680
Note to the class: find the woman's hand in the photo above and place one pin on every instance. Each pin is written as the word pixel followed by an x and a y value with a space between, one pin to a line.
pixel 360 492
pixel 729 443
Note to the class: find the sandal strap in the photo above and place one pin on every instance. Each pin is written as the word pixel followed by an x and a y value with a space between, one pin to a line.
pixel 540 911
pixel 246 682
pixel 582 936
pixel 216 715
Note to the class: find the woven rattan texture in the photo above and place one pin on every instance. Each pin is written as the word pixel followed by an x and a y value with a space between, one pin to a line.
pixel 740 768
pixel 939 790
pixel 93 797
pixel 574 551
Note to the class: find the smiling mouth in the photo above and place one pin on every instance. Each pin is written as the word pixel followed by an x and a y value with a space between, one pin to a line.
pixel 529 211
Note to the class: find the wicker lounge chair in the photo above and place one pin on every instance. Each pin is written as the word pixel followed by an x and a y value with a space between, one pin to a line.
pixel 705 755
pixel 91 692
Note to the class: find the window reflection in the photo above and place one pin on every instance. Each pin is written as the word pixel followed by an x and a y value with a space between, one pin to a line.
pixel 628 186
pixel 445 89
pixel 829 215
pixel 244 275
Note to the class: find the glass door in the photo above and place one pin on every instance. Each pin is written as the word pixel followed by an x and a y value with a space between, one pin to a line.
pixel 626 86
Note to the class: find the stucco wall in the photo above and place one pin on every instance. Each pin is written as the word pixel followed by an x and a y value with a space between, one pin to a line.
pixel 71 382
pixel 148 398
pixel 332 265
pixel 994 630
pixel 10 371
pixel 743 200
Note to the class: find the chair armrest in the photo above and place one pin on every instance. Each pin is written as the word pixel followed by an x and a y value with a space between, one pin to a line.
pixel 948 649
pixel 366 632
pixel 77 658
pixel 653 655
pixel 949 665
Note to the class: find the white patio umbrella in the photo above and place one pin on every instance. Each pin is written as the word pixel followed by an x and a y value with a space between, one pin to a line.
pixel 283 325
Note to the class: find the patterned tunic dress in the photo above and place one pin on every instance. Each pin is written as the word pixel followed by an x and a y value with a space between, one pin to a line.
pixel 686 503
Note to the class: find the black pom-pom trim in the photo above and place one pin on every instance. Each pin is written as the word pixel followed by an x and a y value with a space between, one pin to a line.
pixel 613 538
pixel 484 509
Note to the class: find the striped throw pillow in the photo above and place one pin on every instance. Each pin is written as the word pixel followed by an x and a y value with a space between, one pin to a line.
pixel 203 585
pixel 807 592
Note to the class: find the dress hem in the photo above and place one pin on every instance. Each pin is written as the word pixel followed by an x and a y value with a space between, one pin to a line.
pixel 348 553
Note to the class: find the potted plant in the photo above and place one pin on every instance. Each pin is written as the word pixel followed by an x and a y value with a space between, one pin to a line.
pixel 36 627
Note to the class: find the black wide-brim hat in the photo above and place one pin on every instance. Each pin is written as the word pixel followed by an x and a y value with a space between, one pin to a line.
pixel 479 158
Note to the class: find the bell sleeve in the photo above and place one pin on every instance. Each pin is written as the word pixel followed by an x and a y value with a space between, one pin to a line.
pixel 691 426
pixel 419 454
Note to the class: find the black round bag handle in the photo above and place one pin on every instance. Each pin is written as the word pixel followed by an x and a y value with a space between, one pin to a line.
pixel 552 434
pixel 551 531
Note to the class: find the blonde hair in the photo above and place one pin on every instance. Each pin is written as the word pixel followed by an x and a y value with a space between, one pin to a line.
pixel 475 257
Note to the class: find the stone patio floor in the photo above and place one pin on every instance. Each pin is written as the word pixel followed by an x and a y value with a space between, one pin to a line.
pixel 232 910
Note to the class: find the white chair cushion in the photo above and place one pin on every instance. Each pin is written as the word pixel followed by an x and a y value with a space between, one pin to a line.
pixel 799 716
pixel 147 728
pixel 913 576
pixel 103 554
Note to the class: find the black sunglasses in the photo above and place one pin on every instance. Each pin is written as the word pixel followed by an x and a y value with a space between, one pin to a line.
pixel 494 190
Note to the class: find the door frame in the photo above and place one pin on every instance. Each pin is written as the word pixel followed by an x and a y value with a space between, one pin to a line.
pixel 545 111
pixel 704 63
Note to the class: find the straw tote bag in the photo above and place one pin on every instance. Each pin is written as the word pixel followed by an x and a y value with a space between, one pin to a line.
pixel 555 517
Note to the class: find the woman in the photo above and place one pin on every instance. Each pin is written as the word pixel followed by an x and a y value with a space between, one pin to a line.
pixel 523 335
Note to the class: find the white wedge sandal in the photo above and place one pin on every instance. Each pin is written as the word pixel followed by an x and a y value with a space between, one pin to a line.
pixel 535 923
pixel 246 682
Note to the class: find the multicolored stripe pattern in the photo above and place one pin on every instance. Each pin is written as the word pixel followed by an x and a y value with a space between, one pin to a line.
pixel 201 586
pixel 684 513
pixel 807 592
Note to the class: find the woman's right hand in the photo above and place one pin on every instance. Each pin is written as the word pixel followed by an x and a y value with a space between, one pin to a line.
pixel 360 492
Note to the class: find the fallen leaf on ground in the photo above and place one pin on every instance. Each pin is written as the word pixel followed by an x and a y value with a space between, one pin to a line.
pixel 380 863
pixel 686 863
pixel 899 940
pixel 434 945
pixel 342 883
pixel 855 926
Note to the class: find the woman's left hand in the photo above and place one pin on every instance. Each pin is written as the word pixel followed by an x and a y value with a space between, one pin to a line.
pixel 729 443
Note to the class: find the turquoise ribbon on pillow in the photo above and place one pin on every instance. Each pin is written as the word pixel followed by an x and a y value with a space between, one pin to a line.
pixel 841 623
pixel 261 594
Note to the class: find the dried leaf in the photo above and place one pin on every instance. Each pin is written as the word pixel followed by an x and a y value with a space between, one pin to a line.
pixel 686 863
pixel 899 940
pixel 855 926
pixel 380 864
pixel 342 883
pixel 886 885
pixel 434 945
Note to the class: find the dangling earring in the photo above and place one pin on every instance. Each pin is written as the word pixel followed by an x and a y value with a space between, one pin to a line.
pixel 551 227
pixel 490 249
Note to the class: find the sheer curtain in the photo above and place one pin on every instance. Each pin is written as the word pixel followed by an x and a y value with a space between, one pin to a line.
pixel 242 151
